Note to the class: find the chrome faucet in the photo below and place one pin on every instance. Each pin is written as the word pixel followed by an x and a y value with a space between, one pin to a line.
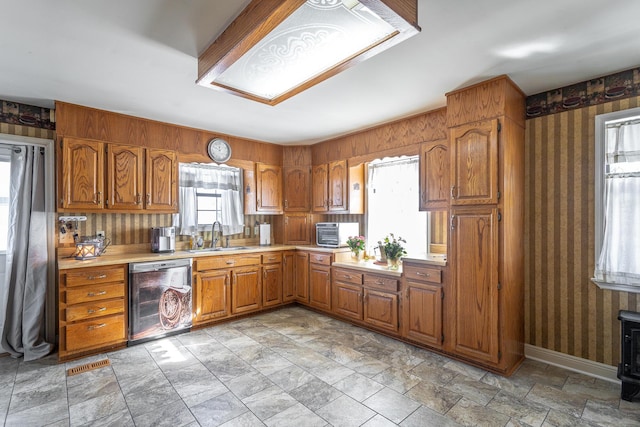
pixel 215 239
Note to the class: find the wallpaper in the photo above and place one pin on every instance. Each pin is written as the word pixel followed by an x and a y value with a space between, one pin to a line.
pixel 564 310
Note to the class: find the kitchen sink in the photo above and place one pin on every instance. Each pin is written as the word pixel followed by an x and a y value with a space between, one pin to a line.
pixel 218 249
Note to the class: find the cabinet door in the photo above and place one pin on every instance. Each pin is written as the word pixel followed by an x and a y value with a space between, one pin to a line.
pixel 338 186
pixel 125 177
pixel 245 291
pixel 297 229
pixel 288 276
pixel 474 163
pixel 302 277
pixel 434 175
pixel 82 174
pixel 271 285
pixel 381 309
pixel 212 295
pixel 474 238
pixel 422 312
pixel 320 286
pixel 347 300
pixel 297 188
pixel 268 188
pixel 162 180
pixel 320 188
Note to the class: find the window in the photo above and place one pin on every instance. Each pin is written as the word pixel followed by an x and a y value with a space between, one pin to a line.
pixel 5 174
pixel 393 204
pixel 618 201
pixel 208 193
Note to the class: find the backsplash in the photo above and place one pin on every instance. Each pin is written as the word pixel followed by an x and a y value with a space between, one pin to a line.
pixel 131 229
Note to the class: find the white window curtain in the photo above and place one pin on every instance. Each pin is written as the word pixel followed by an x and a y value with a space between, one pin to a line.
pixel 393 204
pixel 619 261
pixel 226 180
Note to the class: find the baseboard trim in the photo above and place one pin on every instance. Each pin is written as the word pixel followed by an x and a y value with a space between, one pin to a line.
pixel 572 363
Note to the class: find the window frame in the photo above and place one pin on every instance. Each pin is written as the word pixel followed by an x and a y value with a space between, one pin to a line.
pixel 601 122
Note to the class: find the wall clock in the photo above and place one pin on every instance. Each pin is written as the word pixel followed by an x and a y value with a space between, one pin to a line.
pixel 219 150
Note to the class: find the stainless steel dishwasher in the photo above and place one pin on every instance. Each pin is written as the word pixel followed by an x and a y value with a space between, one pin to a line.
pixel 159 299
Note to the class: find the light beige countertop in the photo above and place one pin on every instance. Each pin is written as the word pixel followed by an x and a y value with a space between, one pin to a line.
pixel 140 253
pixel 440 260
pixel 369 267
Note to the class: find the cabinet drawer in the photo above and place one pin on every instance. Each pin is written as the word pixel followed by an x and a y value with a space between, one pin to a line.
pixel 422 274
pixel 379 282
pixel 272 258
pixel 347 276
pixel 213 263
pixel 94 293
pixel 94 309
pixel 94 275
pixel 324 259
pixel 91 333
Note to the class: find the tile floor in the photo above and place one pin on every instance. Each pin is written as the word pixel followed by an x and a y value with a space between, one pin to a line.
pixel 293 367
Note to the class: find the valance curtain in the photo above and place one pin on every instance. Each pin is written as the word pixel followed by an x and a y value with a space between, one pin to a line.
pixel 22 300
pixel 226 180
pixel 619 260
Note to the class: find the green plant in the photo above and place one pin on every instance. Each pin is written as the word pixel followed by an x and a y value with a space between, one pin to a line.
pixel 393 248
pixel 356 243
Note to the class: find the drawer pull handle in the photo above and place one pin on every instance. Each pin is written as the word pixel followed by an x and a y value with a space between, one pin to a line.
pixel 418 273
pixel 230 262
pixel 91 311
pixel 101 276
pixel 347 276
pixel 92 327
pixel 96 294
pixel 379 282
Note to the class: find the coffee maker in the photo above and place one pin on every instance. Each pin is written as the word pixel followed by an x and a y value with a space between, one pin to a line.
pixel 163 239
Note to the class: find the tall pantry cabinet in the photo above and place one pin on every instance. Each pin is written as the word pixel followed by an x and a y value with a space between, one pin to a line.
pixel 486 146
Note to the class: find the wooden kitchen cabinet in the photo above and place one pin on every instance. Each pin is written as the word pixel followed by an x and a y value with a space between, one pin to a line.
pixel 212 295
pixel 302 277
pixel 82 179
pixel 474 232
pixel 92 310
pixel 434 175
pixel 381 302
pixel 161 182
pixel 320 280
pixel 338 188
pixel 125 178
pixel 297 189
pixel 346 293
pixel 297 229
pixel 268 188
pixel 271 279
pixel 422 309
pixel 484 320
pixel 288 276
pixel 246 293
pixel 474 163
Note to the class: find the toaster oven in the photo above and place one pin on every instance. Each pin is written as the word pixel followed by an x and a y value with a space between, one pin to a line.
pixel 335 234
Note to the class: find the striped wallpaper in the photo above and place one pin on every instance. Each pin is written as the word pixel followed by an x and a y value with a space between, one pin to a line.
pixel 564 310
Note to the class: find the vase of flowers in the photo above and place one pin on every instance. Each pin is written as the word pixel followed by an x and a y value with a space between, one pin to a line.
pixel 356 244
pixel 394 250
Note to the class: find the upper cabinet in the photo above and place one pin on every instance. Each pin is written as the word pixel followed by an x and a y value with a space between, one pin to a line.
pixel 136 178
pixel 338 188
pixel 434 175
pixel 474 163
pixel 82 180
pixel 268 188
pixel 297 189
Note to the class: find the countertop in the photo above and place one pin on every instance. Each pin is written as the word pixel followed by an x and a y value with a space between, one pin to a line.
pixel 369 267
pixel 126 254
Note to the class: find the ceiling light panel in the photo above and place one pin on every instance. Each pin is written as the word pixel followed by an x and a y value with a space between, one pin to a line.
pixel 278 50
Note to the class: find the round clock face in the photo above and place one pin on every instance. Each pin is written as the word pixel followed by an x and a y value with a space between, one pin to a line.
pixel 219 150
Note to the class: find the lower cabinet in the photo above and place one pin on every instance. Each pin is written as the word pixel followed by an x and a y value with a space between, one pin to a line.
pixel 346 293
pixel 320 280
pixel 246 290
pixel 381 302
pixel 92 312
pixel 212 295
pixel 272 279
pixel 422 308
pixel 302 277
pixel 288 276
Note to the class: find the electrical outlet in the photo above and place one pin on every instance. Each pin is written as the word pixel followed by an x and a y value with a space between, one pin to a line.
pixel 100 233
pixel 247 231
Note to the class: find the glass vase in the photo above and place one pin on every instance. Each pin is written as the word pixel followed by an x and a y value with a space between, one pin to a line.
pixel 393 263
